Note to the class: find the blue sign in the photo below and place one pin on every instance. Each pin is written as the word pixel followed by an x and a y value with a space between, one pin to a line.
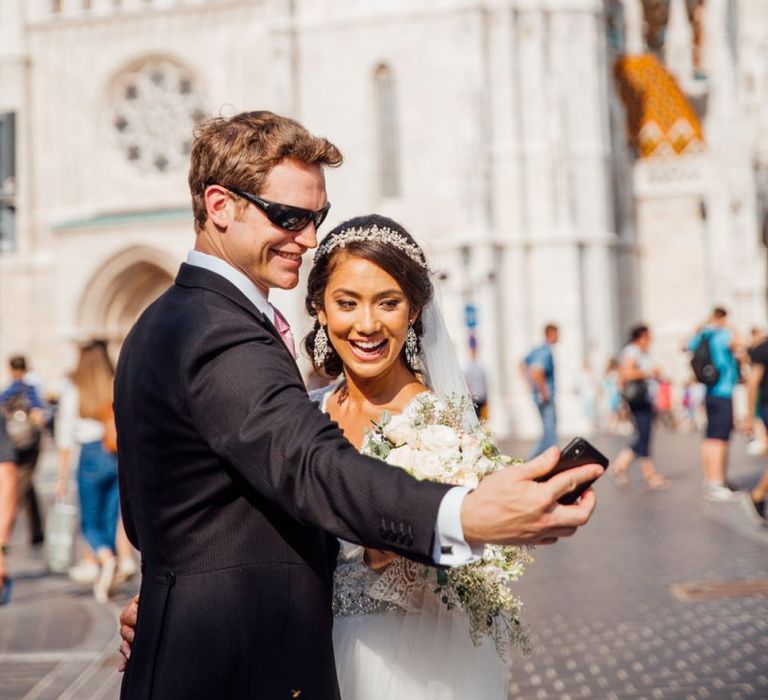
pixel 470 316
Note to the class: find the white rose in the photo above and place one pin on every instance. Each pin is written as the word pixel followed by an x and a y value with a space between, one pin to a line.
pixel 399 430
pixel 484 465
pixel 469 441
pixel 426 465
pixel 467 478
pixel 403 457
pixel 438 438
pixel 471 450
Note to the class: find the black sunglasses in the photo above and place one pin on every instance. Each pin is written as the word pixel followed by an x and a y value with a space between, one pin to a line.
pixel 284 215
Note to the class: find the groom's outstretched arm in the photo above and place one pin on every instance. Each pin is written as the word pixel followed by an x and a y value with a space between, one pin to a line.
pixel 510 507
pixel 248 402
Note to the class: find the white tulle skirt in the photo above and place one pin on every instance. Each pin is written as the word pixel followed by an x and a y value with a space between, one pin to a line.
pixel 416 656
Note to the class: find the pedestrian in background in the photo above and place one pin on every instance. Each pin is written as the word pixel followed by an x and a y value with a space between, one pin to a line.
pixel 587 390
pixel 638 377
pixel 613 409
pixel 538 366
pixel 8 500
pixel 474 374
pixel 24 411
pixel 724 344
pixel 755 430
pixel 85 410
pixel 757 401
pixel 663 403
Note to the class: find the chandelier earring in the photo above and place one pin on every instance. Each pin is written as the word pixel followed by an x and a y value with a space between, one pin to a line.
pixel 320 349
pixel 412 348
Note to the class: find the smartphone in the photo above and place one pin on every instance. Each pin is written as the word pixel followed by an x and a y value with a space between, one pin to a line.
pixel 575 454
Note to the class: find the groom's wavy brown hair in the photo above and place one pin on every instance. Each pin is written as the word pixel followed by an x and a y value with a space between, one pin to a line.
pixel 239 152
pixel 412 277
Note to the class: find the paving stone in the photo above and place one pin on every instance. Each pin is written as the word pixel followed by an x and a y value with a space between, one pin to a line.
pixel 604 598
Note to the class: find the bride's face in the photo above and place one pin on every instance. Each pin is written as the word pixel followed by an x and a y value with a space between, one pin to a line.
pixel 366 315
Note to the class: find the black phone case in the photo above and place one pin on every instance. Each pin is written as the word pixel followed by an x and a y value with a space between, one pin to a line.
pixel 576 453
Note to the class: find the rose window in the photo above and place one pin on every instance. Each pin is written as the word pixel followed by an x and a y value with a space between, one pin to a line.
pixel 154 110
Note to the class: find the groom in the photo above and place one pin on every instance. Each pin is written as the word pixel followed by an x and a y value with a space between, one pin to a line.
pixel 234 487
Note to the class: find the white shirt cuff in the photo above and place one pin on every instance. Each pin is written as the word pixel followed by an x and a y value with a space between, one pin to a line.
pixel 450 548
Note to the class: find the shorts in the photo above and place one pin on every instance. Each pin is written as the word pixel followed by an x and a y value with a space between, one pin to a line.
pixel 719 417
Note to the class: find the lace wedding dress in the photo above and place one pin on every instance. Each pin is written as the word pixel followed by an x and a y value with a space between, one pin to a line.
pixel 394 639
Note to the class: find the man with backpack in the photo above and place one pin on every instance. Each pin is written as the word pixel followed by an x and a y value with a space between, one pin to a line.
pixel 23 411
pixel 714 364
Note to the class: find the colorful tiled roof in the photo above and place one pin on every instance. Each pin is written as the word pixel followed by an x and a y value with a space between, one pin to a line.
pixel 660 119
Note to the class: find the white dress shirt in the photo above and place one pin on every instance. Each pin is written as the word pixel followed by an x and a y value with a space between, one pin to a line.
pixel 450 548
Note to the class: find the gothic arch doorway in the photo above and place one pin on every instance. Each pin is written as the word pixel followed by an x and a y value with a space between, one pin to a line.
pixel 124 286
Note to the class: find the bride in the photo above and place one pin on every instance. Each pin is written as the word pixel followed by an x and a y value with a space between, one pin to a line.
pixel 370 294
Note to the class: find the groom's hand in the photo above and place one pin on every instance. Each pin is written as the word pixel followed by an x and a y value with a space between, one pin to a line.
pixel 509 507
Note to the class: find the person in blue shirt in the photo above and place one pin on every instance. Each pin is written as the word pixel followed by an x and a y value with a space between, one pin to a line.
pixel 539 367
pixel 723 344
pixel 20 394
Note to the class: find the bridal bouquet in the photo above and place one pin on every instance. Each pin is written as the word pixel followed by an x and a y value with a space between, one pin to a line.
pixel 432 439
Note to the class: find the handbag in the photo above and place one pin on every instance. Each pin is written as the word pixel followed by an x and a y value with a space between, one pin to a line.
pixel 110 429
pixel 636 394
pixel 60 530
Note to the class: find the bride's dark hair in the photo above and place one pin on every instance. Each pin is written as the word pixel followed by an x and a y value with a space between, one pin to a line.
pixel 412 276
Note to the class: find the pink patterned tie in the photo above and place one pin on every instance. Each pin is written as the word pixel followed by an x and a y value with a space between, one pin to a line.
pixel 285 331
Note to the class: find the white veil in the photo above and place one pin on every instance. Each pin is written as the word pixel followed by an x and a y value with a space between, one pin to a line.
pixel 442 371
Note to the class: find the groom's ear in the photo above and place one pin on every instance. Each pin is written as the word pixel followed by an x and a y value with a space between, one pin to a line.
pixel 218 205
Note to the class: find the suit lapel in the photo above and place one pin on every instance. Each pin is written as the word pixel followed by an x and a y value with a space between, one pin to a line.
pixel 194 276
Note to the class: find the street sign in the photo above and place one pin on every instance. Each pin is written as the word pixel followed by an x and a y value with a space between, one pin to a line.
pixel 470 316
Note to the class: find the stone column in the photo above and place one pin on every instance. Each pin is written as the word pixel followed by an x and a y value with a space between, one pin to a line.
pixel 678 48
pixel 633 23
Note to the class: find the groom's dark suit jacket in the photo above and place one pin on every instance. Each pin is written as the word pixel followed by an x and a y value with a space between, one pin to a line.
pixel 233 486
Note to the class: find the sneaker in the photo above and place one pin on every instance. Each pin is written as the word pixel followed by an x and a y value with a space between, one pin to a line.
pixel 84 572
pixel 103 585
pixel 126 570
pixel 755 511
pixel 713 491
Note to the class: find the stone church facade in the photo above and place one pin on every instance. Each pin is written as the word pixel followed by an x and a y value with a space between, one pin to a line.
pixel 587 162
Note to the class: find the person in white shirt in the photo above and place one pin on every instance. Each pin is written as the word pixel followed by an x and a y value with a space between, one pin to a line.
pixel 84 412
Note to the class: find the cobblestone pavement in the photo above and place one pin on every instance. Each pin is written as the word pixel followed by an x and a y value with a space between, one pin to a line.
pixel 56 641
pixel 612 610
pixel 608 609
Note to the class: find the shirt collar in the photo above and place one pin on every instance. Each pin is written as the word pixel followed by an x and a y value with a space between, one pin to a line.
pixel 237 278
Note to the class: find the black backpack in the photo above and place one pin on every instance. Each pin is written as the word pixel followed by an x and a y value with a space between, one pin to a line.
pixel 702 363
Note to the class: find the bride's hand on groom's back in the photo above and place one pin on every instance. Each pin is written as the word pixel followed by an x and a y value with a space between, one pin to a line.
pixel 128 618
pixel 510 507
